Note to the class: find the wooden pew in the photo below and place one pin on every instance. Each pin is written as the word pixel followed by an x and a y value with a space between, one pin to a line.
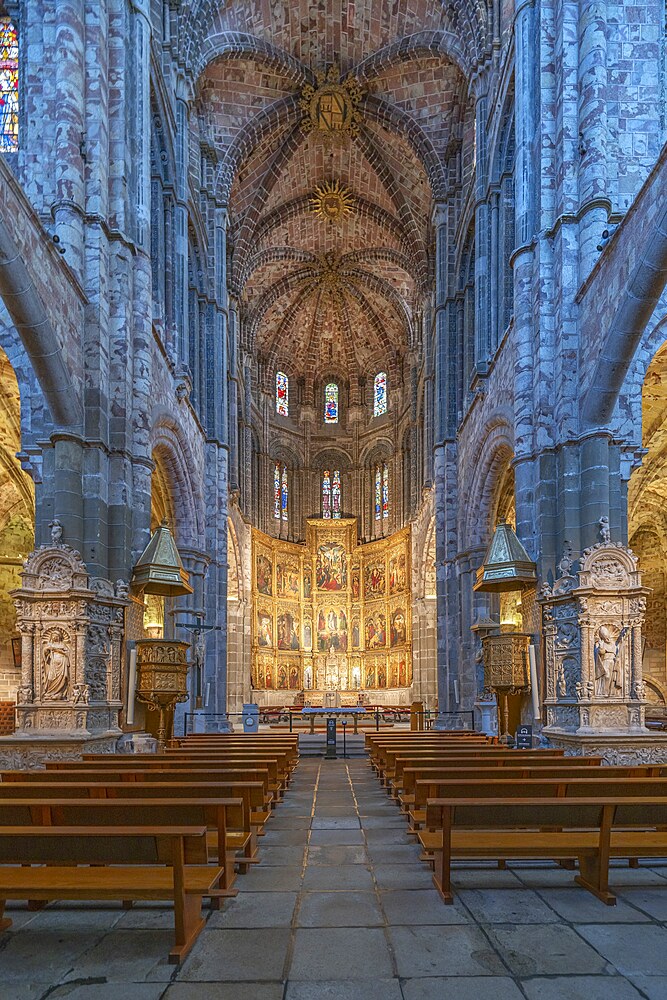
pixel 243 826
pixel 492 754
pixel 152 812
pixel 123 863
pixel 242 832
pixel 408 770
pixel 154 763
pixel 436 784
pixel 545 828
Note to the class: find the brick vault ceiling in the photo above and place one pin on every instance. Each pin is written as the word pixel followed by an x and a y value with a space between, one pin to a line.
pixel 315 291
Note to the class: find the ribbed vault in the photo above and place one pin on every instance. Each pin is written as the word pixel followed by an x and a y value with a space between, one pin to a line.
pixel 314 291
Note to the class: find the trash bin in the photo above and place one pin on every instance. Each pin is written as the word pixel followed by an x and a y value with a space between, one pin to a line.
pixel 251 718
pixel 417 715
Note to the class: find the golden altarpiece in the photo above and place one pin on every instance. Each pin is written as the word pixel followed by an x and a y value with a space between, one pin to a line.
pixel 331 615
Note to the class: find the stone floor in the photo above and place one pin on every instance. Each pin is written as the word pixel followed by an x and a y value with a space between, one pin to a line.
pixel 341 908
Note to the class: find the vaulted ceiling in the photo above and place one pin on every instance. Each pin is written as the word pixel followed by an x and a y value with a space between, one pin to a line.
pixel 317 291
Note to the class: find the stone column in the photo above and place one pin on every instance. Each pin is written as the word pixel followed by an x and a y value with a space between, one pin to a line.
pixel 594 202
pixel 70 139
pixel 482 223
pixel 181 231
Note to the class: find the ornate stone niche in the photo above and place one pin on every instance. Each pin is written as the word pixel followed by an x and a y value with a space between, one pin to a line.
pixel 72 631
pixel 593 624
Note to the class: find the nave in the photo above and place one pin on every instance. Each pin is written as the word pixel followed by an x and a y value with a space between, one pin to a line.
pixel 341 907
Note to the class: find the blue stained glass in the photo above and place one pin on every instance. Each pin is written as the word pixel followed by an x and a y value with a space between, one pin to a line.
pixel 276 491
pixel 9 87
pixel 336 494
pixel 284 495
pixel 385 490
pixel 331 404
pixel 378 493
pixel 380 394
pixel 282 394
pixel 326 494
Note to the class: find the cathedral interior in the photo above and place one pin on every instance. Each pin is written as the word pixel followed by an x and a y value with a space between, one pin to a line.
pixel 333 376
pixel 356 287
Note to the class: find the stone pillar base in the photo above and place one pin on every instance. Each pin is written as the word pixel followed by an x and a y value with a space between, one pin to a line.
pixel 450 721
pixel 624 749
pixel 30 752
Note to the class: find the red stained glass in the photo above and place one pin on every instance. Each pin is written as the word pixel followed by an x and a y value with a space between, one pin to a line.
pixel 282 394
pixel 9 87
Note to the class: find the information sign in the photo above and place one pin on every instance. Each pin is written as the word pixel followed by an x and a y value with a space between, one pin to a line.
pixel 524 738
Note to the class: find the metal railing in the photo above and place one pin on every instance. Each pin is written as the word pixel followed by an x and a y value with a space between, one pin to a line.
pixel 297 722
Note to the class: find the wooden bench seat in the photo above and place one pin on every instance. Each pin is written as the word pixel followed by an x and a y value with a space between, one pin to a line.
pixel 544 828
pixel 242 829
pixel 127 864
pixel 597 783
pixel 80 812
pixel 161 763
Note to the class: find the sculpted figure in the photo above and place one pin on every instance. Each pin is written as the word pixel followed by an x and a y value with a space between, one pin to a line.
pixel 56 672
pixel 607 681
pixel 56 532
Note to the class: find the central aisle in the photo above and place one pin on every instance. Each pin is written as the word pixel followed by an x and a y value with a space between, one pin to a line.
pixel 336 901
pixel 341 909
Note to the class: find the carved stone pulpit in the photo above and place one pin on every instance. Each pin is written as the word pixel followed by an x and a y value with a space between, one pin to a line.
pixel 593 624
pixel 71 644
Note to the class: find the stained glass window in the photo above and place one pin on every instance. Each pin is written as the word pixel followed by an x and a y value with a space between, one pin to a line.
pixel 385 490
pixel 380 394
pixel 282 394
pixel 9 87
pixel 326 494
pixel 335 494
pixel 331 404
pixel 284 496
pixel 378 493
pixel 276 490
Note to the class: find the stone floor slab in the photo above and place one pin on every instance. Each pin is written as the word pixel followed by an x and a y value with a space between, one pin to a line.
pixel 420 906
pixel 632 949
pixel 337 855
pixel 545 950
pixel 339 909
pixel 438 951
pixel 135 955
pixel 462 988
pixel 267 879
pixel 385 989
pixel 236 956
pixel 256 909
pixel 337 877
pixel 578 906
pixel 335 823
pixel 282 856
pixel 651 900
pixel 652 987
pixel 508 906
pixel 340 953
pixel 324 838
pixel 224 991
pixel 580 988
pixel 403 877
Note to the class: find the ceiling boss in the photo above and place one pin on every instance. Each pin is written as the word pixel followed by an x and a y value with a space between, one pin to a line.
pixel 331 108
pixel 332 201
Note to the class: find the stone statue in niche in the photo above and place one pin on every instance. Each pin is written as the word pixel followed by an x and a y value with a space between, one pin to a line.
pixel 605 533
pixel 56 532
pixel 561 685
pixel 56 669
pixel 607 681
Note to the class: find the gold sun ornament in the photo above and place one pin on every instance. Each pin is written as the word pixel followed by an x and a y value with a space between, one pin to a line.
pixel 331 107
pixel 332 201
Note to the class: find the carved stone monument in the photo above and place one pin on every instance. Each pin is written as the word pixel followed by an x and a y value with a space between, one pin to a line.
pixel 71 632
pixel 593 624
